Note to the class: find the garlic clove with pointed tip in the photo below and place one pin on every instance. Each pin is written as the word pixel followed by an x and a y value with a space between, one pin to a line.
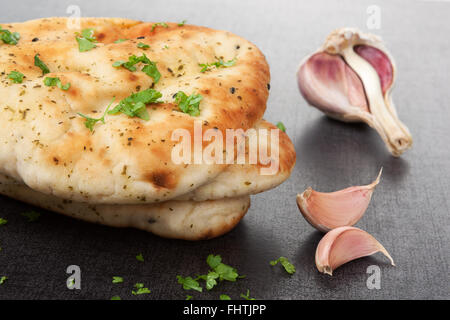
pixel 326 211
pixel 345 244
pixel 350 79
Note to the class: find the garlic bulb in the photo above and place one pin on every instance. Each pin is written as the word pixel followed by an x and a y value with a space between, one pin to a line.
pixel 350 79
pixel 344 244
pixel 326 211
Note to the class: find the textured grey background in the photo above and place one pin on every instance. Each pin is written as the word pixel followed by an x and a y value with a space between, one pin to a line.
pixel 409 212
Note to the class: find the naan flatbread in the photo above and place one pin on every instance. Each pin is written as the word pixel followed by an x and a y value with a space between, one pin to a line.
pixel 45 144
pixel 187 220
pixel 246 179
pixel 122 174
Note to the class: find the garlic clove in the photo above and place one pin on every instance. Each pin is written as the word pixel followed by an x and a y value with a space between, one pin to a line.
pixel 345 244
pixel 380 62
pixel 326 211
pixel 350 78
pixel 328 83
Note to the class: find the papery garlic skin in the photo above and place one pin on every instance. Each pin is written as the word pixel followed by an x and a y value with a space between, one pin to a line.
pixel 350 79
pixel 326 211
pixel 345 244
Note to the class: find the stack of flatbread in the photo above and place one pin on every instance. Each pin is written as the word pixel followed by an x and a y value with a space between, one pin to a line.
pixel 121 174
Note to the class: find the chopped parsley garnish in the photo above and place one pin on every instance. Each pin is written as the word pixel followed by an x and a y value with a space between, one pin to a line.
pixel 31 215
pixel 281 126
pixel 218 64
pixel 289 267
pixel 152 71
pixel 90 122
pixel 142 45
pixel 140 257
pixel 159 24
pixel 210 279
pixel 16 76
pixel 3 279
pixel 140 289
pixel 120 40
pixel 189 104
pixel 182 23
pixel 9 37
pixel 224 297
pixel 247 296
pixel 189 283
pixel 86 41
pixel 3 221
pixel 225 272
pixel 115 298
pixel 219 272
pixel 88 34
pixel 52 82
pixel 188 297
pixel 117 280
pixel 150 67
pixel 135 105
pixel 127 64
pixel 38 63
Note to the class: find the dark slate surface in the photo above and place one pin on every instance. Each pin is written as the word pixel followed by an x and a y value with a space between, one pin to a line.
pixel 409 212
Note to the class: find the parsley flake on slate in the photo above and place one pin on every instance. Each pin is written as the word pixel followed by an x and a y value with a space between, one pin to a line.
pixel 3 279
pixel 52 82
pixel 281 126
pixel 189 104
pixel 86 41
pixel 140 289
pixel 140 257
pixel 150 67
pixel 115 298
pixel 188 297
pixel 247 296
pixel 135 105
pixel 90 122
pixel 218 64
pixel 224 297
pixel 159 24
pixel 3 221
pixel 9 37
pixel 117 280
pixel 224 271
pixel 210 279
pixel 142 45
pixel 189 283
pixel 289 267
pixel 16 76
pixel 31 215
pixel 219 272
pixel 38 63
